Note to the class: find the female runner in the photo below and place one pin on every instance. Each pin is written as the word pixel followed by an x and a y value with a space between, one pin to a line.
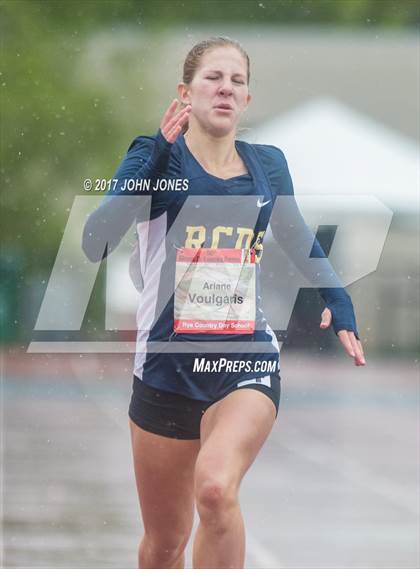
pixel 199 416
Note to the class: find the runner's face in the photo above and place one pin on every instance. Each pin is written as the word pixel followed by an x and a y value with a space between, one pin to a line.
pixel 220 81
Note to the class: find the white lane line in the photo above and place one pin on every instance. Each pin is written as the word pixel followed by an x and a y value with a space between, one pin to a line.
pixel 323 455
pixel 263 557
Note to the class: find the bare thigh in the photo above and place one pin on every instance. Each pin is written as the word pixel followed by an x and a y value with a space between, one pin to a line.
pixel 233 431
pixel 164 469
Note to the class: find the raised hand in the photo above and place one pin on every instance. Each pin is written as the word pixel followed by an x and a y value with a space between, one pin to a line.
pixel 173 121
pixel 351 344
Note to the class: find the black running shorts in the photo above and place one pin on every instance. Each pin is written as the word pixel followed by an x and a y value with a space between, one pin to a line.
pixel 176 416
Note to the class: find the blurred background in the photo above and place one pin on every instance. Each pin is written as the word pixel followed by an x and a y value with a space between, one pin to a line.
pixel 335 85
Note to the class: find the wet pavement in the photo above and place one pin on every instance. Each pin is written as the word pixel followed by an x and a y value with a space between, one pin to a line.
pixel 335 486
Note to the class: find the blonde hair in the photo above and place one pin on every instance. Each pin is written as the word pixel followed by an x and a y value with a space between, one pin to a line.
pixel 192 61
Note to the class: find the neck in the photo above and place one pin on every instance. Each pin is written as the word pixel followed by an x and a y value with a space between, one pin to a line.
pixel 214 153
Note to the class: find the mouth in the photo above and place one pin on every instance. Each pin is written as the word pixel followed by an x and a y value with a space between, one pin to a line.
pixel 224 107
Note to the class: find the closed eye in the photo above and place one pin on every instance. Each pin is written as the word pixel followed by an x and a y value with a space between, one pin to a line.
pixel 239 82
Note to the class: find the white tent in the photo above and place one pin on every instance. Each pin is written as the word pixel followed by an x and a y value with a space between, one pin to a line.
pixel 330 148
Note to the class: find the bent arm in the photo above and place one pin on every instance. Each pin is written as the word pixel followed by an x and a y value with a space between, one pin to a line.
pixel 298 242
pixel 107 225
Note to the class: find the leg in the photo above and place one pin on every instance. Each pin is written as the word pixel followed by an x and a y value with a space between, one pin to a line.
pixel 164 469
pixel 232 432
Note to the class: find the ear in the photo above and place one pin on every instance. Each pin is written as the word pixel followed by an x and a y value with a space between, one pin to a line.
pixel 183 93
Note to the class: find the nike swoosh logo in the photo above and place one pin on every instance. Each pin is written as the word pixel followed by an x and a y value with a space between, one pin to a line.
pixel 262 204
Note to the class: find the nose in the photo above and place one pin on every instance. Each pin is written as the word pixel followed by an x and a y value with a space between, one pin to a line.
pixel 225 87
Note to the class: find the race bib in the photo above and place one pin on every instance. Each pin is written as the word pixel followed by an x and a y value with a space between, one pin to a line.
pixel 214 291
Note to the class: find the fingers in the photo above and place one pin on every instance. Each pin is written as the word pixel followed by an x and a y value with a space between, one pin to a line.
pixel 326 318
pixel 181 119
pixel 171 130
pixel 172 122
pixel 345 340
pixel 359 360
pixel 352 346
pixel 170 111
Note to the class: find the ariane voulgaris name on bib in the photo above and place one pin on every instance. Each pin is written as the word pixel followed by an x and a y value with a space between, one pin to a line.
pixel 214 291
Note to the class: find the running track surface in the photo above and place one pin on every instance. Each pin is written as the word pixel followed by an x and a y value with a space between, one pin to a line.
pixel 335 486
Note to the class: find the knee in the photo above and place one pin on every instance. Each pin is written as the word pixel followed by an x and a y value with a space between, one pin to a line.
pixel 162 550
pixel 212 495
pixel 215 503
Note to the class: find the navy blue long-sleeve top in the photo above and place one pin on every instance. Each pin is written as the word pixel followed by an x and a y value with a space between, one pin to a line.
pixel 189 208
